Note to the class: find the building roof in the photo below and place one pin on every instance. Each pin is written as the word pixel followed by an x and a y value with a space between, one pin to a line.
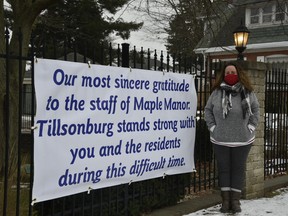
pixel 275 33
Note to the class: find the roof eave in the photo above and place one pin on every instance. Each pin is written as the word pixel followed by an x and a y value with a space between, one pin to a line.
pixel 263 47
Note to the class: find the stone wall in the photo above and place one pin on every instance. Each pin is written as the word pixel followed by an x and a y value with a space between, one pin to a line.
pixel 254 181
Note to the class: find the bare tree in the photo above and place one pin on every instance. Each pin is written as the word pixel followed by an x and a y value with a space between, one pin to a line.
pixel 182 20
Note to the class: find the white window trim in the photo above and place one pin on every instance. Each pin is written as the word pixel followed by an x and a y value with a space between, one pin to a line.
pixel 261 24
pixel 276 58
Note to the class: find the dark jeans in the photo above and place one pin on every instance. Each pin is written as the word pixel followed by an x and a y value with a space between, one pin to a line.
pixel 231 163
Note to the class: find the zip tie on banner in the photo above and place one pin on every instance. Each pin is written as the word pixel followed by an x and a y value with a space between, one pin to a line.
pixel 89 64
pixel 130 69
pixel 194 170
pixel 34 127
pixel 163 72
pixel 89 189
pixel 130 182
pixel 33 202
pixel 164 175
pixel 36 60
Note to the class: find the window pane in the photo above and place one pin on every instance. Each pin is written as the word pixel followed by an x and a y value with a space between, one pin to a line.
pixel 254 19
pixel 280 17
pixel 280 8
pixel 267 9
pixel 267 18
pixel 267 14
pixel 254 11
pixel 280 12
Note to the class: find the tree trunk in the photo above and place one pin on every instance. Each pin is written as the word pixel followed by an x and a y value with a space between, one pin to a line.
pixel 13 113
pixel 25 13
pixel 2 89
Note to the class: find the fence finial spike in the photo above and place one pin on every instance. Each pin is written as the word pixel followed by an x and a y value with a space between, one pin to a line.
pixel 33 202
pixel 89 65
pixel 34 127
pixel 89 189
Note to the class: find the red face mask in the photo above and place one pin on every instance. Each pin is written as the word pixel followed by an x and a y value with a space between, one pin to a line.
pixel 231 79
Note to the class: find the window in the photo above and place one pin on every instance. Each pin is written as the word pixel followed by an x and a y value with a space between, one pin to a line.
pixel 254 18
pixel 267 14
pixel 280 12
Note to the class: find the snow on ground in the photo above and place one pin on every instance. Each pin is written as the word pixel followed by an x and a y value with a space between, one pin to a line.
pixel 273 206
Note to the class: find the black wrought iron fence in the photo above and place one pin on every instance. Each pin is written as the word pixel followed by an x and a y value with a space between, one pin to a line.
pixel 144 196
pixel 133 199
pixel 276 120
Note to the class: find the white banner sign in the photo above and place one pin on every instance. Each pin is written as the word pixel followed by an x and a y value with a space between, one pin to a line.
pixel 100 126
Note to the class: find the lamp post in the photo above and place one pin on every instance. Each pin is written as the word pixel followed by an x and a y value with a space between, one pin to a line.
pixel 241 35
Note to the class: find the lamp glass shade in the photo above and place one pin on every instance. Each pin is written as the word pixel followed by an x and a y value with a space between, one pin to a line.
pixel 241 39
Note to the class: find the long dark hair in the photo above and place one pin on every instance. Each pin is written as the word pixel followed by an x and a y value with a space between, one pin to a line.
pixel 243 78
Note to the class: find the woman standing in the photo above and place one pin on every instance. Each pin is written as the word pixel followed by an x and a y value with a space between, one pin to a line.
pixel 232 115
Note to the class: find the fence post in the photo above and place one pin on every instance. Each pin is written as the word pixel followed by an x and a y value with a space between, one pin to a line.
pixel 125 55
pixel 254 180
